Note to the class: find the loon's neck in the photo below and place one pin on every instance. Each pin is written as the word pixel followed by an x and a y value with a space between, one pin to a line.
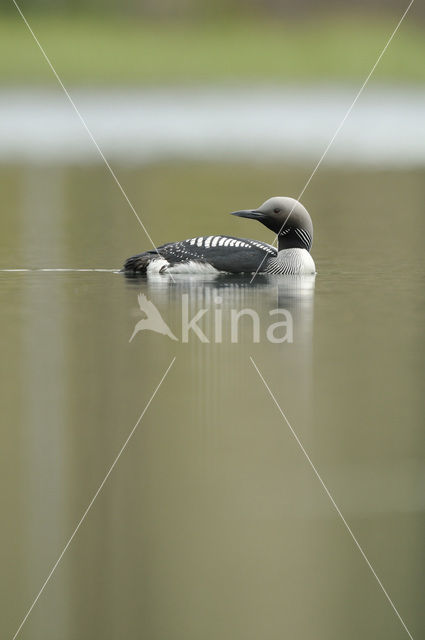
pixel 294 239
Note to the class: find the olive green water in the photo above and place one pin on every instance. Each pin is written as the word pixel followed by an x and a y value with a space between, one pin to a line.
pixel 212 524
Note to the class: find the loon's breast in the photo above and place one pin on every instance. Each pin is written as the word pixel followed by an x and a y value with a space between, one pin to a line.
pixel 291 262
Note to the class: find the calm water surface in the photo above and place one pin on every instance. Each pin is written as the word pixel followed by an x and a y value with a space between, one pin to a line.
pixel 212 524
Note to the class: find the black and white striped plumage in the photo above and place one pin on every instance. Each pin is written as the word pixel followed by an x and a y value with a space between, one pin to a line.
pixel 222 253
pixel 207 253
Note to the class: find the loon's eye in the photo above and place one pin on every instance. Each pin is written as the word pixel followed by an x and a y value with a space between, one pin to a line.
pixel 276 210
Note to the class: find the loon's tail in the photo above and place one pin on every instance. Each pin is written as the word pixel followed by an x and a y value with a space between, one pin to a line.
pixel 139 263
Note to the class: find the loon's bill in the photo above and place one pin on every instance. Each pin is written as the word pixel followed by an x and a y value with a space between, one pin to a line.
pixel 287 217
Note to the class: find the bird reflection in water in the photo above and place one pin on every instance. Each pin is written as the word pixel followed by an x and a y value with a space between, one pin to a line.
pixel 214 298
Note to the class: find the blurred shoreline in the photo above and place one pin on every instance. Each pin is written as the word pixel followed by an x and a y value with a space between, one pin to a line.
pixel 253 124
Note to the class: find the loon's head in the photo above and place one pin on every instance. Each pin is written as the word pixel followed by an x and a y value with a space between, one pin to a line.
pixel 287 218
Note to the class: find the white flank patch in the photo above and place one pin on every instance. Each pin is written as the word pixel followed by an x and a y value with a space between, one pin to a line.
pixel 156 265
pixel 192 266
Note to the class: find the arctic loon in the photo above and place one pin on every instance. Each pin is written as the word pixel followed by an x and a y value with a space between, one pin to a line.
pixel 285 216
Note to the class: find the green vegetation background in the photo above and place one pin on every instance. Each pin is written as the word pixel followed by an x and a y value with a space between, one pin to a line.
pixel 104 49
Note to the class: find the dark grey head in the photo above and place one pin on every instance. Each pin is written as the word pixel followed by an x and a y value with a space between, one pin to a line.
pixel 286 217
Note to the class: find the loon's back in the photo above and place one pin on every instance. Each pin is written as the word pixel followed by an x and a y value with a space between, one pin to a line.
pixel 205 253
